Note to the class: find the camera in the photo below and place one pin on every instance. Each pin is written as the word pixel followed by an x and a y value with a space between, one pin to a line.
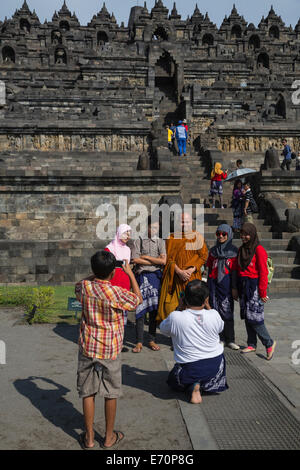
pixel 120 264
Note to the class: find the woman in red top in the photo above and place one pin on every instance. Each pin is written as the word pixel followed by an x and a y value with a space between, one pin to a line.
pixel 119 248
pixel 252 289
pixel 216 187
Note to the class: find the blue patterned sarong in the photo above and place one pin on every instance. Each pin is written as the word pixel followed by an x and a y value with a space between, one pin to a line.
pixel 220 297
pixel 252 308
pixel 150 285
pixel 209 373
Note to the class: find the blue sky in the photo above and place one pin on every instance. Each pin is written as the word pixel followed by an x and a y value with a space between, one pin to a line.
pixel 252 10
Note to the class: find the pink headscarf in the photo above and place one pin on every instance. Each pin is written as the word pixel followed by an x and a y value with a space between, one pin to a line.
pixel 118 247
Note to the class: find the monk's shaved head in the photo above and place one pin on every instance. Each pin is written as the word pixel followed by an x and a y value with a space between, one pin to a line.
pixel 186 222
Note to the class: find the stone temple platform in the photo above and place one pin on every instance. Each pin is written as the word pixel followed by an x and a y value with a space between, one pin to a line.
pixel 83 110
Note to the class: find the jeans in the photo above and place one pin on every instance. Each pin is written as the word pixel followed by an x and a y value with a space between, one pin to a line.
pixel 181 146
pixel 258 330
pixel 139 327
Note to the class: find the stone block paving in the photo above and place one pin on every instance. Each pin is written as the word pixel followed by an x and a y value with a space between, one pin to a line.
pixel 40 408
pixel 39 404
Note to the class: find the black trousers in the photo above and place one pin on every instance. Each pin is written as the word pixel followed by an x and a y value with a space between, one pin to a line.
pixel 139 327
pixel 286 163
pixel 227 335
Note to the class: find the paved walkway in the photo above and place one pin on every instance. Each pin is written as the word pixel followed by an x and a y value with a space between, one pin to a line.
pixel 40 408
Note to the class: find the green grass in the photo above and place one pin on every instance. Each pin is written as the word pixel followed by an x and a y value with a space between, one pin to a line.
pixel 58 313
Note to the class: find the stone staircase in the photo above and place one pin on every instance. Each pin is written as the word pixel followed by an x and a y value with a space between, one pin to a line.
pixel 194 189
pixel 250 160
pixel 167 104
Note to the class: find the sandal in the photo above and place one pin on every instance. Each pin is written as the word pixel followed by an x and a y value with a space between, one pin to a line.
pixel 83 442
pixel 154 346
pixel 137 348
pixel 270 351
pixel 249 349
pixel 119 437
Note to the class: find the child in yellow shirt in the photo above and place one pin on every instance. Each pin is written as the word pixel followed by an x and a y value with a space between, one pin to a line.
pixel 170 135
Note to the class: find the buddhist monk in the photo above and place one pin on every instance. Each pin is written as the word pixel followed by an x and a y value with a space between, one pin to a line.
pixel 186 254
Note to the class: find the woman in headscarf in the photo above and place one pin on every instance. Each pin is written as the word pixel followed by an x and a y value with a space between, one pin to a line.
pixel 237 205
pixel 186 254
pixel 216 187
pixel 222 281
pixel 119 248
pixel 252 289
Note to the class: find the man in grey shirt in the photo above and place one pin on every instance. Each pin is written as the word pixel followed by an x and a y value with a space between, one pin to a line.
pixel 149 257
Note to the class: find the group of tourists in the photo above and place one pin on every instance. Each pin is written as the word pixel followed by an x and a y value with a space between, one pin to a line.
pixel 166 282
pixel 243 203
pixel 178 135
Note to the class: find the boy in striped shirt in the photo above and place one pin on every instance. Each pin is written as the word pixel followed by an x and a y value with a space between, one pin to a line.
pixel 100 343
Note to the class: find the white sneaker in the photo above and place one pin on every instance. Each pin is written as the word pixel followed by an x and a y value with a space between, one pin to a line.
pixel 233 346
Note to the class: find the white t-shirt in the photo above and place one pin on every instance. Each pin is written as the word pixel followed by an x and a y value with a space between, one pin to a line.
pixel 195 334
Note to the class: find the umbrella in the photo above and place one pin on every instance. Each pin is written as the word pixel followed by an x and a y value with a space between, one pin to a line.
pixel 239 173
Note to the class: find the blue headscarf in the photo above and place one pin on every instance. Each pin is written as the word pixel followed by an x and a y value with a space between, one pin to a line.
pixel 224 251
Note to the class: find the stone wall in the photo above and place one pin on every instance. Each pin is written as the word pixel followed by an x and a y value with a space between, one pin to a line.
pixel 40 263
pixel 57 216
pixel 51 225
pixel 283 185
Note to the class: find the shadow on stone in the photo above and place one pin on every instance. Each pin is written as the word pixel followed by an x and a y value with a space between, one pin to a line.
pixel 52 404
pixel 66 331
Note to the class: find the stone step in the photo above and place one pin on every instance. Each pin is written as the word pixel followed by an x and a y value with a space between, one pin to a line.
pixel 269 244
pixel 211 227
pixel 226 214
pixel 286 271
pixel 260 230
pixel 58 165
pixel 284 286
pixel 262 235
pixel 283 257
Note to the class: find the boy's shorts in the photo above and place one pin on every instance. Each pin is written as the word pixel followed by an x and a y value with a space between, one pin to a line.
pixel 103 376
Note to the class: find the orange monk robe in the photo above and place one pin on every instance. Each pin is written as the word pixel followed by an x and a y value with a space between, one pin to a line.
pixel 184 257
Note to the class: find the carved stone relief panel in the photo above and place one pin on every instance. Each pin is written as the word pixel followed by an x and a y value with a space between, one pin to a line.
pixel 240 144
pixel 67 143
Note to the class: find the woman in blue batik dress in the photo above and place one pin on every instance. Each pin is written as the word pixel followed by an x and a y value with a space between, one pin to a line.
pixel 222 281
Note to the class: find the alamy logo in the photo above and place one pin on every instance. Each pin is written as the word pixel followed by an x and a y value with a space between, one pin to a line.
pixel 2 352
pixel 296 354
pixel 296 94
pixel 136 216
pixel 2 94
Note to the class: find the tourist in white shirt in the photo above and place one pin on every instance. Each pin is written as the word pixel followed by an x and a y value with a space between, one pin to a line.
pixel 199 355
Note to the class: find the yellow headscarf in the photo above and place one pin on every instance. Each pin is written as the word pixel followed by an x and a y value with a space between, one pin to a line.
pixel 217 170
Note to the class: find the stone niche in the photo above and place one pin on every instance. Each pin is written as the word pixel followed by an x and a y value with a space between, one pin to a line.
pixel 77 142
